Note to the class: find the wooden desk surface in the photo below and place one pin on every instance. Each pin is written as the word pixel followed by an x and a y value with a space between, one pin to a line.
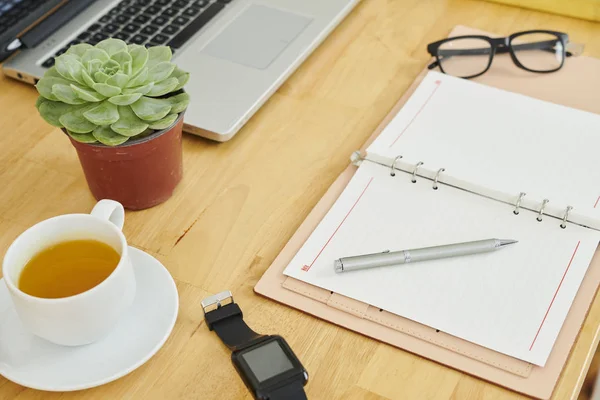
pixel 241 201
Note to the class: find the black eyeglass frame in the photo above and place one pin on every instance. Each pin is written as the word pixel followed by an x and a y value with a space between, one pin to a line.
pixel 501 46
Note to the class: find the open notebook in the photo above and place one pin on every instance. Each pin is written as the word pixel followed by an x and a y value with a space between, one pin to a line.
pixel 493 145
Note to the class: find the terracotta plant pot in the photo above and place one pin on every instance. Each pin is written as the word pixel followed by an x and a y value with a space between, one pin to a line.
pixel 139 173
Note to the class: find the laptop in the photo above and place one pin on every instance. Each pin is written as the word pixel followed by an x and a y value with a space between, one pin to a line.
pixel 238 51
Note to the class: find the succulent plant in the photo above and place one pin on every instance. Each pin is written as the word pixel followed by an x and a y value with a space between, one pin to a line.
pixel 112 91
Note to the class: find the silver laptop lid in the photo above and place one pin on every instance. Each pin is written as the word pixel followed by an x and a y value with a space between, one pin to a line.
pixel 238 62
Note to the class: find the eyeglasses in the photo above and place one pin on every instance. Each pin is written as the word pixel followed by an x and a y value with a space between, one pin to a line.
pixel 472 55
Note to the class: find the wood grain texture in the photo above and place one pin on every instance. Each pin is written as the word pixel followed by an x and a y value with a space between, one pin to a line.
pixel 239 203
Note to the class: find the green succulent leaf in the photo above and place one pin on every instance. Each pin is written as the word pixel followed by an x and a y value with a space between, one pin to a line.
pixel 182 78
pixel 39 101
pixel 66 94
pixel 52 72
pixel 165 122
pixel 127 68
pixel 179 103
pixel 107 90
pixel 139 55
pixel 87 78
pixel 96 54
pixel 87 95
pixel 125 99
pixel 75 122
pixel 79 49
pixel 129 124
pixel 110 67
pixel 51 111
pixel 69 67
pixel 112 46
pixel 122 57
pixel 101 77
pixel 164 87
pixel 119 80
pixel 140 89
pixel 93 66
pixel 139 79
pixel 160 71
pixel 150 109
pixel 61 66
pixel 105 135
pixel 82 137
pixel 44 86
pixel 104 114
pixel 158 54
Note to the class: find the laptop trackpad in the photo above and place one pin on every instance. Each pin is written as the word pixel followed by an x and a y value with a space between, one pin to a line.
pixel 257 36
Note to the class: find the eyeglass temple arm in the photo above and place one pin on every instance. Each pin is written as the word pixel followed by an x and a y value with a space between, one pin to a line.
pixel 546 45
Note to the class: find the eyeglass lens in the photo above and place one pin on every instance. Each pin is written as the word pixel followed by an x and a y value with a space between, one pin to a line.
pixel 464 57
pixel 540 52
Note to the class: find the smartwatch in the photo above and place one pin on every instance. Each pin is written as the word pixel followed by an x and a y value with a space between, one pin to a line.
pixel 266 363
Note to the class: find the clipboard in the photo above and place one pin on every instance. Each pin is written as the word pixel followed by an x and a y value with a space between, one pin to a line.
pixel 570 86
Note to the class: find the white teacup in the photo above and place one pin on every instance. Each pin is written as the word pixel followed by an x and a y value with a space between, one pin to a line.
pixel 85 317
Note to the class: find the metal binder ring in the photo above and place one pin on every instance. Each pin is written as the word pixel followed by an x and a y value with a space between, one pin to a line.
pixel 414 174
pixel 392 172
pixel 435 180
pixel 566 217
pixel 539 217
pixel 518 203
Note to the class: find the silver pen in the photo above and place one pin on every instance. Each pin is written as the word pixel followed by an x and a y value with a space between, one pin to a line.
pixel 387 258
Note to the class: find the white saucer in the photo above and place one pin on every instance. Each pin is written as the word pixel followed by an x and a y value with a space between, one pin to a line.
pixel 33 362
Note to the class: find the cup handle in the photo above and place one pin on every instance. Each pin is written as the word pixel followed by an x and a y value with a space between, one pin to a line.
pixel 110 210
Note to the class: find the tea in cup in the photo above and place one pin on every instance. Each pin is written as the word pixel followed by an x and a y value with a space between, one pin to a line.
pixel 70 277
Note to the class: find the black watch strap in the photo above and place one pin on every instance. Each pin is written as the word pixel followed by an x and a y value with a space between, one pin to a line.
pixel 294 391
pixel 225 317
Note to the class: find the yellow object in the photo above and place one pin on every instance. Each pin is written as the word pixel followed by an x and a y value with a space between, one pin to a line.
pixel 68 268
pixel 585 9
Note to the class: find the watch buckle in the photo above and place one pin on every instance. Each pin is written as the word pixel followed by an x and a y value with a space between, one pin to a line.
pixel 218 300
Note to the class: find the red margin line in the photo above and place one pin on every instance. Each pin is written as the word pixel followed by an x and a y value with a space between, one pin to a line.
pixel 437 86
pixel 555 293
pixel 597 201
pixel 306 268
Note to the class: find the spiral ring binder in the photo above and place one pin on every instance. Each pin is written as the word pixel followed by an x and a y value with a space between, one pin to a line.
pixel 539 217
pixel 356 158
pixel 435 180
pixel 414 174
pixel 518 203
pixel 392 172
pixel 566 217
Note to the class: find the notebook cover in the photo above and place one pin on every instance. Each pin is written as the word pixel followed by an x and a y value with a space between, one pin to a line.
pixel 569 86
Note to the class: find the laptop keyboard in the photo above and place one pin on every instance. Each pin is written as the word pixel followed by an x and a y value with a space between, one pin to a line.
pixel 11 11
pixel 149 23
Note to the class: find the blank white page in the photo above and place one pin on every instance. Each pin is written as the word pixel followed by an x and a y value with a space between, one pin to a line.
pixel 500 140
pixel 512 300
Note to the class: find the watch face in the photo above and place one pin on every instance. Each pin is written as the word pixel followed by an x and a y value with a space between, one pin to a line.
pixel 267 364
pixel 267 361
